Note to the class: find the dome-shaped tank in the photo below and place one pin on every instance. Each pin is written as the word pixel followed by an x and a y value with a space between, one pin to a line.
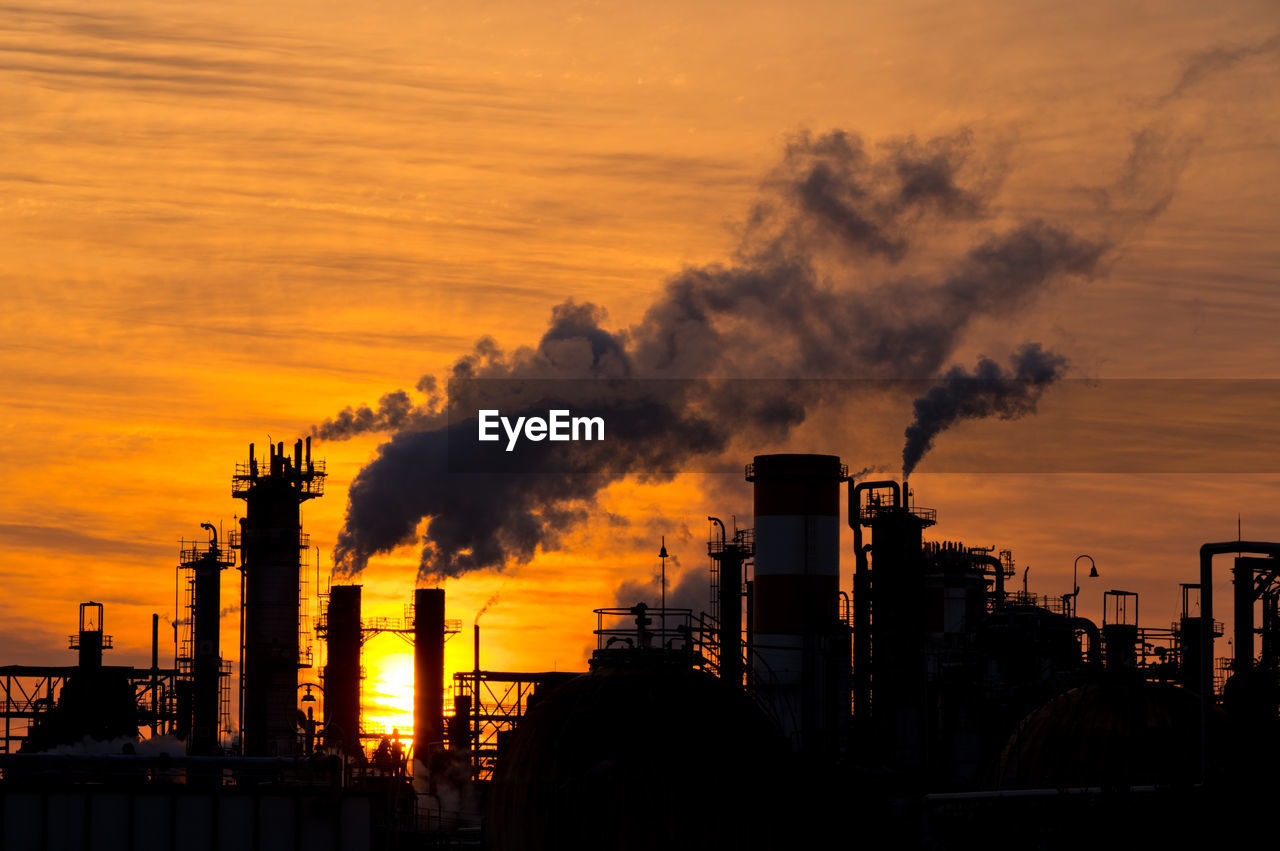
pixel 1117 732
pixel 644 755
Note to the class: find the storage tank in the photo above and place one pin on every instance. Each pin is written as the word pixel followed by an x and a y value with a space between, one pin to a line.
pixel 1114 733
pixel 640 755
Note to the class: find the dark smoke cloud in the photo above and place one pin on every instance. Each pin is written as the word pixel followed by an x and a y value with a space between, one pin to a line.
pixel 824 285
pixel 395 411
pixel 867 472
pixel 1215 60
pixel 845 198
pixel 986 392
pixel 1146 185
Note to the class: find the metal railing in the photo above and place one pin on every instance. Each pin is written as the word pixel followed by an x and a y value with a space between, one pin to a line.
pixel 74 642
pixel 642 628
pixel 929 516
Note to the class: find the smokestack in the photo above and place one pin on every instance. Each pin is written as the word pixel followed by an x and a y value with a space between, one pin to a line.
pixel 898 625
pixel 342 673
pixel 428 672
pixel 862 599
pixel 797 583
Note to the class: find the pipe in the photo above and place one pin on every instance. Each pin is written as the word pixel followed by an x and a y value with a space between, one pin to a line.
pixel 475 709
pixel 751 632
pixel 1095 643
pixel 1207 552
pixel 861 607
pixel 998 566
pixel 155 674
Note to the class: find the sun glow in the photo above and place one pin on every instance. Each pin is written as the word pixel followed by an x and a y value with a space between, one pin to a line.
pixel 387 695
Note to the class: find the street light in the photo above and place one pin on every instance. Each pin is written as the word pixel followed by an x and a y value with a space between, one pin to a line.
pixel 1075 568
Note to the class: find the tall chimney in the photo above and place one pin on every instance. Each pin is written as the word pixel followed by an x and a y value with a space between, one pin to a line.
pixel 428 672
pixel 797 632
pixel 342 672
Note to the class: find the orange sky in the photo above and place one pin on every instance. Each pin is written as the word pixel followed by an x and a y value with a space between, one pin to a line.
pixel 221 221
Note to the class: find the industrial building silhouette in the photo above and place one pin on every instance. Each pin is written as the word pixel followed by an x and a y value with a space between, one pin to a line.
pixel 939 703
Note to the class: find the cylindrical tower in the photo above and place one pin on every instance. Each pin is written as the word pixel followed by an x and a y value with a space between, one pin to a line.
pixel 898 726
pixel 342 672
pixel 729 557
pixel 206 659
pixel 428 671
pixel 270 540
pixel 798 670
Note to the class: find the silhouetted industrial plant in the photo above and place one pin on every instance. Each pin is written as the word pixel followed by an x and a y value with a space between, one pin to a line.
pixel 942 703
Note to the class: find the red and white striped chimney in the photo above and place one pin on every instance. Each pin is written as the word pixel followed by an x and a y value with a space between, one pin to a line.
pixel 796 590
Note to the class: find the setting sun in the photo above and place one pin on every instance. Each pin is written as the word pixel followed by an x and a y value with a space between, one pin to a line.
pixel 387 695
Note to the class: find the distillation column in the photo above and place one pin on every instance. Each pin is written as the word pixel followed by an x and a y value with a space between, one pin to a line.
pixel 270 541
pixel 206 651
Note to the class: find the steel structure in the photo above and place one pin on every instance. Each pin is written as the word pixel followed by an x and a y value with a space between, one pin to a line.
pixel 270 542
pixel 204 689
pixel 493 702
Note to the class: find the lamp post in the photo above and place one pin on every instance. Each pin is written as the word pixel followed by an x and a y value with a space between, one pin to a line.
pixel 309 728
pixel 1075 586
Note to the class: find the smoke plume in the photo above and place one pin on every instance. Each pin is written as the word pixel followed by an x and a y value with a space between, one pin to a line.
pixel 1215 60
pixel 986 392
pixel 395 411
pixel 488 604
pixel 828 282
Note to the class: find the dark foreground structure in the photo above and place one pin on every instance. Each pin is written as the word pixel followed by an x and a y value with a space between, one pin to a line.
pixel 942 703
